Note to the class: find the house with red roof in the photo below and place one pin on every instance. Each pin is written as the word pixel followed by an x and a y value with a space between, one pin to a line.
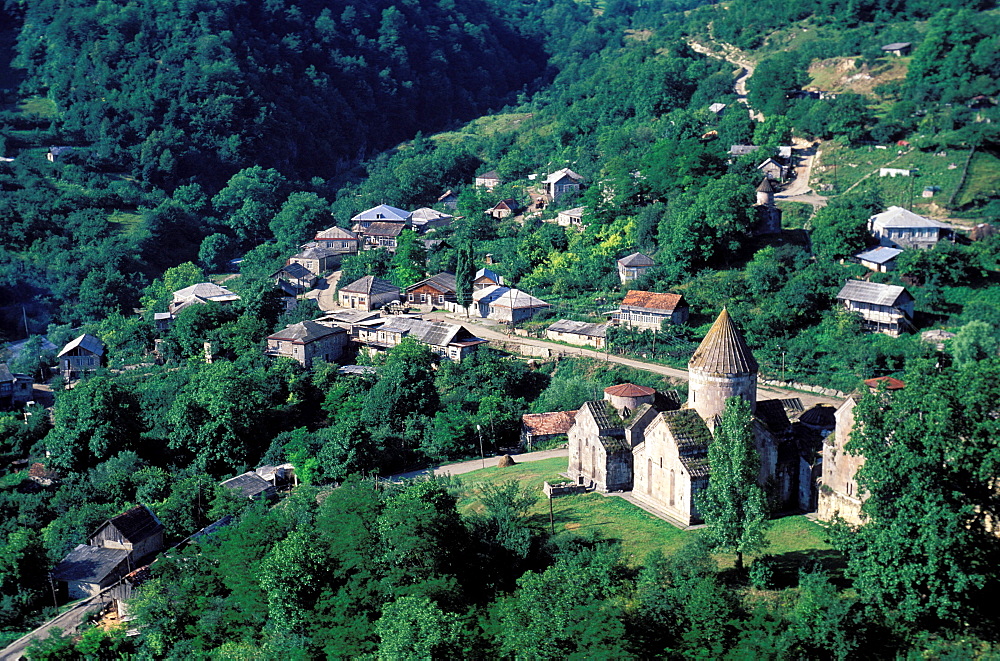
pixel 646 310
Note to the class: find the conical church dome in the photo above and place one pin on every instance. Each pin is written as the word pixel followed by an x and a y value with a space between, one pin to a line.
pixel 724 351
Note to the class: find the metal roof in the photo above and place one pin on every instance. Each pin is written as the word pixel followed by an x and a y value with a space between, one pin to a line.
pixel 336 233
pixel 723 351
pixel 874 293
pixel 249 484
pixel 371 285
pixel 879 255
pixel 443 282
pixel 383 212
pixel 383 229
pixel 295 270
pixel 89 564
pixel 579 328
pixel 636 259
pixel 896 46
pixel 305 332
pixel 900 217
pixel 560 174
pixel 516 299
pixel 87 342
pixel 206 290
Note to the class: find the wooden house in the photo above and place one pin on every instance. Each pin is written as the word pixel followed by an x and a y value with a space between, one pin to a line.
pixel 307 342
pixel 250 485
pixel 432 291
pixel 15 389
pixel 648 310
pixel 448 200
pixel 136 531
pixel 87 570
pixel 772 168
pixel 83 354
pixel 561 182
pixel 383 235
pixel 368 293
pixel 884 308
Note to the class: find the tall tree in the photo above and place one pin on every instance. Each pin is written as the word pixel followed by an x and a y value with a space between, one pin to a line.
pixel 734 504
pixel 465 273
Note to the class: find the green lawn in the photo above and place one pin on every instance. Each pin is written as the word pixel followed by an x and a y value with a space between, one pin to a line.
pixel 982 180
pixel 38 106
pixel 794 539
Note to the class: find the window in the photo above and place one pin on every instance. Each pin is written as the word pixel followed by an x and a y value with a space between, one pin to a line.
pixel 423 298
pixel 441 298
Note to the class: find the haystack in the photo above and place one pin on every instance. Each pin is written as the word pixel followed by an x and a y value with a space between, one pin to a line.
pixel 506 461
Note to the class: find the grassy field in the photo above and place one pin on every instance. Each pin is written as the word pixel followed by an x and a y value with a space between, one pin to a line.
pixel 794 540
pixel 38 106
pixel 983 179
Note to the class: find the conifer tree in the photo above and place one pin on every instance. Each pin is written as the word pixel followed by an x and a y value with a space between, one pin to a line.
pixel 734 505
pixel 465 273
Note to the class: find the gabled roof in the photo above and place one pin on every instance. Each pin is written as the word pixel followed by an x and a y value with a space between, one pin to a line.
pixel 295 270
pixel 305 332
pixel 445 195
pixel 636 260
pixel 89 564
pixel 652 300
pixel 249 484
pixel 723 351
pixel 336 233
pixel 562 174
pixel 717 107
pixel 541 424
pixel 371 285
pixel 629 390
pixel 490 293
pixel 575 212
pixel 205 291
pixel 890 383
pixel 383 229
pixel 443 282
pixel 135 525
pixel 874 293
pixel 879 255
pixel 383 212
pixel 904 218
pixel 426 214
pixel 508 203
pixel 492 174
pixel 740 150
pixel 489 274
pixel 87 342
pixel 436 333
pixel 579 328
pixel 769 159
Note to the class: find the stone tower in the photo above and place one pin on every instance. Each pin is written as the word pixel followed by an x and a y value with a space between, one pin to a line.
pixel 768 215
pixel 722 367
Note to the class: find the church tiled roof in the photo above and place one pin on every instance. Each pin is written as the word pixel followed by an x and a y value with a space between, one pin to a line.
pixel 724 351
pixel 629 390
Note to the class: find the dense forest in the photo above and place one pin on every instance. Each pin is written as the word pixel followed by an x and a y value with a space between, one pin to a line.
pixel 204 131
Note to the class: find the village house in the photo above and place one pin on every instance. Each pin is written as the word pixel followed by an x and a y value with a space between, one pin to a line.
pixel 383 235
pixel 504 209
pixel 772 168
pixel 201 294
pixel 897 227
pixel 768 214
pixel 486 278
pixel 368 293
pixel 647 310
pixel 116 548
pixel 250 486
pixel 319 258
pixel 298 278
pixel 505 304
pixel 432 291
pixel 56 153
pixel 570 217
pixel 350 320
pixel 15 389
pixel 634 266
pixel 900 49
pixel 894 172
pixel 82 354
pixel 425 218
pixel 838 491
pixel 448 200
pixel 446 340
pixel 561 182
pixel 383 213
pixel 539 428
pixel 488 180
pixel 884 308
pixel 880 260
pixel 338 239
pixel 639 440
pixel 578 332
pixel 307 342
pixel 743 150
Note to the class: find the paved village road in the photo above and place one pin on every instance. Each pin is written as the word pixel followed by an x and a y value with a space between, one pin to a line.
pixel 66 622
pixel 808 399
pixel 475 464
pixel 325 298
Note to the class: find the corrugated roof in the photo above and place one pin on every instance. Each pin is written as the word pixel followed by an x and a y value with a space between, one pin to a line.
pixel 89 564
pixel 384 229
pixel 436 333
pixel 636 259
pixel 890 383
pixel 900 217
pixel 425 215
pixel 383 212
pixel 516 299
pixel 652 301
pixel 874 293
pixel 371 285
pixel 542 424
pixel 579 328
pixel 87 342
pixel 879 255
pixel 723 351
pixel 629 390
pixel 559 174
pixel 336 233
pixel 249 484
pixel 305 332
pixel 443 282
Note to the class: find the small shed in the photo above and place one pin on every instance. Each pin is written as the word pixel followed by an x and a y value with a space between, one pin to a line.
pixel 87 570
pixel 540 427
pixel 899 49
pixel 250 485
pixel 880 260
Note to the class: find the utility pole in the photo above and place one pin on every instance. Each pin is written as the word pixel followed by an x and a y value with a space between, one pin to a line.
pixel 552 520
pixel 482 455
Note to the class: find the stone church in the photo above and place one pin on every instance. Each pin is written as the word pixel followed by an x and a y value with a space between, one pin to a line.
pixel 640 440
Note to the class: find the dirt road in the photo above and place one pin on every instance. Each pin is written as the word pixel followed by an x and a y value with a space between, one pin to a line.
pixel 325 292
pixel 67 622
pixel 746 68
pixel 475 464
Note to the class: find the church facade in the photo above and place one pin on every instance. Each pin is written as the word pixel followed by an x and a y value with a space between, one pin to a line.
pixel 645 442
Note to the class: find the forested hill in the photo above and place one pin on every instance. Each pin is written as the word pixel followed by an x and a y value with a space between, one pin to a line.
pixel 178 91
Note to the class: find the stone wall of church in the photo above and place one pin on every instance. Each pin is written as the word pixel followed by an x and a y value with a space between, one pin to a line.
pixel 838 492
pixel 660 477
pixel 707 393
